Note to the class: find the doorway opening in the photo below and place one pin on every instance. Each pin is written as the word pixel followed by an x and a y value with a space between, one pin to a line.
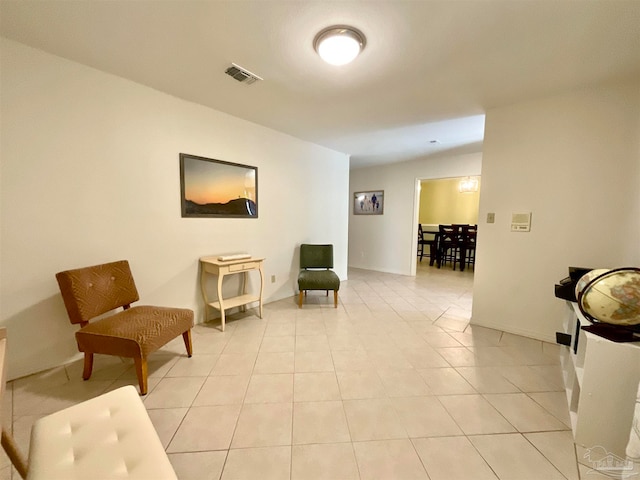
pixel 442 201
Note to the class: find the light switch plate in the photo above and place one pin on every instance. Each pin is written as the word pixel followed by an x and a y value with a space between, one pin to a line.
pixel 491 217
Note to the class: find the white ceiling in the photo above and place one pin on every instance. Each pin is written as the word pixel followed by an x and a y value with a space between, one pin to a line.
pixel 429 71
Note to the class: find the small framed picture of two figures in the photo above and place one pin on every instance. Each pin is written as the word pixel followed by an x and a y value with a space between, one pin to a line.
pixel 368 203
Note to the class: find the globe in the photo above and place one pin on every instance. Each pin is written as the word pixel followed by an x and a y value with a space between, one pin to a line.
pixel 611 296
pixel 587 277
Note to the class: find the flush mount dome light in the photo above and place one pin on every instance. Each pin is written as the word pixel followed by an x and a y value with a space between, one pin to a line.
pixel 340 44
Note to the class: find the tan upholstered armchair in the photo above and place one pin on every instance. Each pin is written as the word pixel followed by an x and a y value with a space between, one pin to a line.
pixel 134 332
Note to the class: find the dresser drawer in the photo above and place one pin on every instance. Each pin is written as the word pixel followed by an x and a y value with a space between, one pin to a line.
pixel 239 267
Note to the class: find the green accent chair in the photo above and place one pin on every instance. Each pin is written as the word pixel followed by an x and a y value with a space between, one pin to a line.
pixel 316 262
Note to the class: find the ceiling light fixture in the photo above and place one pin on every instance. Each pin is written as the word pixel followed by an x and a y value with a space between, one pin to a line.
pixel 468 185
pixel 339 44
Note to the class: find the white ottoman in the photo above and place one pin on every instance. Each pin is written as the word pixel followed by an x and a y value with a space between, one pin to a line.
pixel 107 437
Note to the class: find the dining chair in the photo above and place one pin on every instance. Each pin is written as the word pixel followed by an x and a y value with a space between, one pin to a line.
pixel 448 245
pixel 468 246
pixel 430 242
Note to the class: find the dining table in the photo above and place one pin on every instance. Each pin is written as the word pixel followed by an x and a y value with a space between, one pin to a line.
pixel 435 250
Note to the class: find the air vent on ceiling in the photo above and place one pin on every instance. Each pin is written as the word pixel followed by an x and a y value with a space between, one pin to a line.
pixel 241 74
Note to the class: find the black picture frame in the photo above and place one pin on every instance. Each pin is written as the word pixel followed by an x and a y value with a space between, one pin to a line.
pixel 211 188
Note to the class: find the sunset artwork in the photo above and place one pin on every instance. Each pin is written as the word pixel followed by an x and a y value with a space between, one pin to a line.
pixel 214 188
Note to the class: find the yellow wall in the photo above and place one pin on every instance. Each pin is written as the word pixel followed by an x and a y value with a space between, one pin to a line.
pixel 441 202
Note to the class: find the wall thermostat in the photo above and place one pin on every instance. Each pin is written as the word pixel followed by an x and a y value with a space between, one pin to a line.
pixel 521 222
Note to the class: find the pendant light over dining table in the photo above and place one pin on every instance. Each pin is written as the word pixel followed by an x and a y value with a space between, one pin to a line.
pixel 339 44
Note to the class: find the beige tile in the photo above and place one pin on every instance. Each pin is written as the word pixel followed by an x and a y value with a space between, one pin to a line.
pixel 265 463
pixel 276 344
pixel 22 431
pixel 235 364
pixel 445 381
pixel 458 356
pixel 488 356
pixel 196 366
pixel 487 380
pixel 174 392
pixel 263 425
pixel 345 342
pixel 559 449
pixel 45 399
pixel 553 373
pixel 280 329
pixel 375 341
pixel 440 339
pixel 424 417
pixel 408 341
pixel 353 360
pixel 475 415
pixel 402 382
pixel 53 377
pixel 476 336
pixel 312 343
pixel 527 379
pixel 555 403
pixel 310 387
pixel 310 327
pixel 373 419
pixel 222 390
pixel 239 343
pixel 451 323
pixel 425 358
pixel 324 462
pixel 589 473
pixel 198 465
pixel 270 388
pixel 319 422
pixel 388 459
pixel 274 362
pixel 205 428
pixel 166 421
pixel 360 384
pixel 452 458
pixel 523 413
pixel 105 367
pixel 313 362
pixel 157 365
pixel 389 358
pixel 207 343
pixel 512 456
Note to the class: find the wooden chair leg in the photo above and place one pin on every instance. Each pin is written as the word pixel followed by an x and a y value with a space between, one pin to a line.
pixel 141 372
pixel 88 365
pixel 326 293
pixel 186 336
pixel 335 299
pixel 300 300
pixel 18 461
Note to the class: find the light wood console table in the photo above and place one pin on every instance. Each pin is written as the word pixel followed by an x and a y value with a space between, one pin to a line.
pixel 211 265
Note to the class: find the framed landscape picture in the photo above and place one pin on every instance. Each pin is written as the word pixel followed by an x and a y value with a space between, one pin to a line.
pixel 214 188
pixel 368 203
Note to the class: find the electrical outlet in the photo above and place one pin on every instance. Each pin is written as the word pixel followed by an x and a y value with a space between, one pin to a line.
pixel 273 279
pixel 491 217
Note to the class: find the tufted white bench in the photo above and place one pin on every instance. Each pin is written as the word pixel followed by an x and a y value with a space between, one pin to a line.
pixel 107 437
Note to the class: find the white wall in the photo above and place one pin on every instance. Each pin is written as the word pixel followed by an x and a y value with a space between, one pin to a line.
pixel 387 242
pixel 90 174
pixel 573 161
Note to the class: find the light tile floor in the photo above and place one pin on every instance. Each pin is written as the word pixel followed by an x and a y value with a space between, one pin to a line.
pixel 393 384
